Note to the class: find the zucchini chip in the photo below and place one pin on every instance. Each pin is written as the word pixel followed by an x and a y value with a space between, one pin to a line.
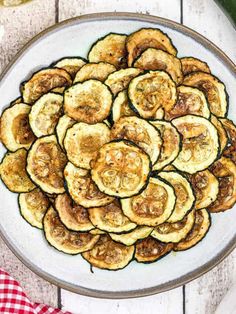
pixel 156 59
pixel 222 134
pixel 190 100
pixel 82 189
pixel 150 250
pixel 97 71
pixel 153 206
pixel 64 123
pixel 82 142
pixel 33 206
pixel 200 143
pixel 130 238
pixel 205 187
pixel 184 195
pixel 13 173
pixel 225 171
pixel 45 164
pixel 174 232
pixel 42 82
pixel 45 114
pixel 110 48
pixel 230 128
pixel 73 216
pixel 71 64
pixel 108 254
pixel 145 38
pixel 121 169
pixel 110 218
pixel 171 144
pixel 141 133
pixel 213 89
pixel 150 91
pixel 97 231
pixel 88 102
pixel 64 240
pixel 200 228
pixel 190 64
pixel 15 129
pixel 119 80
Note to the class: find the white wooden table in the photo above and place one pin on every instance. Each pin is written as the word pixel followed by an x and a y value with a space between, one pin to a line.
pixel 17 26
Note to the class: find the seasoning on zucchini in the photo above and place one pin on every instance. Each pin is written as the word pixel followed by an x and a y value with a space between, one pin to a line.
pixel 82 141
pixel 64 123
pixel 88 102
pixel 200 143
pixel 230 128
pixel 156 59
pixel 70 64
pixel 64 240
pixel 131 237
pixel 222 134
pixel 141 133
pixel 33 206
pixel 108 254
pixel 82 189
pixel 15 129
pixel 145 38
pixel 42 82
pixel 200 228
pixel 97 71
pixel 45 164
pixel 153 206
pixel 121 169
pixel 150 91
pixel 191 64
pixel 13 173
pixel 110 48
pixel 213 89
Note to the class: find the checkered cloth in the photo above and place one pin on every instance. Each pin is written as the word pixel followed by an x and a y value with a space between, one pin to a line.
pixel 14 301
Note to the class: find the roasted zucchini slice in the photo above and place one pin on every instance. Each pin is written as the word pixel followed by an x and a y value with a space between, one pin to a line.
pixel 200 143
pixel 150 250
pixel 108 254
pixel 82 189
pixel 153 206
pixel 129 238
pixel 190 100
pixel 33 206
pixel 73 216
pixel 222 134
pixel 225 171
pixel 119 80
pixel 97 71
pixel 110 48
pixel 42 82
pixel 171 144
pixel 200 228
pixel 121 169
pixel 174 232
pixel 64 123
pixel 213 89
pixel 190 64
pixel 205 187
pixel 150 91
pixel 45 114
pixel 230 129
pixel 82 142
pixel 45 164
pixel 110 218
pixel 15 129
pixel 141 133
pixel 184 195
pixel 156 59
pixel 145 38
pixel 71 64
pixel 64 240
pixel 13 173
pixel 88 102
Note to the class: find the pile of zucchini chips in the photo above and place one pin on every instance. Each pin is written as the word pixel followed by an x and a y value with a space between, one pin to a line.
pixel 122 156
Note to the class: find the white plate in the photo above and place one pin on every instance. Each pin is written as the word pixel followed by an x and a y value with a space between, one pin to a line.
pixel 74 38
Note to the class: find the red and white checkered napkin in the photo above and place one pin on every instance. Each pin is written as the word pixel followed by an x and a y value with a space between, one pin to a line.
pixel 13 300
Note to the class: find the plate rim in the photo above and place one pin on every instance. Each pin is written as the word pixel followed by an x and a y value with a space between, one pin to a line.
pixel 170 284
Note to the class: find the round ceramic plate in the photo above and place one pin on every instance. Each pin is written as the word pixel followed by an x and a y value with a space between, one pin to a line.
pixel 71 38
